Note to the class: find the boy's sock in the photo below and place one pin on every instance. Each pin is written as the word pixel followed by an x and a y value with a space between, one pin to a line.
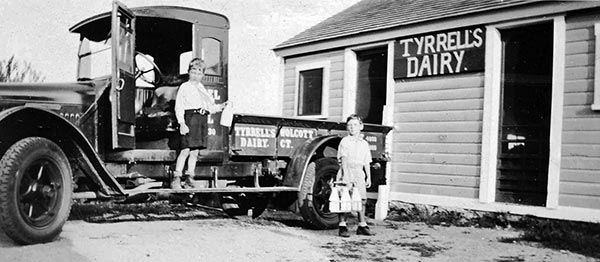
pixel 362 224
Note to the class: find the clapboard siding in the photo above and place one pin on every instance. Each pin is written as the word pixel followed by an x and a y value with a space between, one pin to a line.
pixel 575 34
pixel 583 59
pixel 582 176
pixel 581 124
pixel 579 201
pixel 580 188
pixel 433 137
pixel 442 116
pixel 581 98
pixel 439 190
pixel 442 95
pixel 581 137
pixel 584 150
pixel 437 140
pixel 578 111
pixel 436 179
pixel 439 158
pixel 577 86
pixel 451 127
pixel 442 148
pixel 458 104
pixel 579 72
pixel 579 47
pixel 580 162
pixel 429 168
pixel 336 81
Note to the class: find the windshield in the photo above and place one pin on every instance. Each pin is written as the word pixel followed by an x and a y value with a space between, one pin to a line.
pixel 94 59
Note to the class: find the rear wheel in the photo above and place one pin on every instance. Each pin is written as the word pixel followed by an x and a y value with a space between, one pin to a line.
pixel 35 190
pixel 314 193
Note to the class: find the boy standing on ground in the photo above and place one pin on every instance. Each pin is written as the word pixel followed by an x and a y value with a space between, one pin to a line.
pixel 355 156
pixel 192 107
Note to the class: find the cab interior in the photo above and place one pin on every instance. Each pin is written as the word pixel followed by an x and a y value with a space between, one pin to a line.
pixel 168 44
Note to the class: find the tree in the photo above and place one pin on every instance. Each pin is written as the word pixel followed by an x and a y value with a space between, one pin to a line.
pixel 12 70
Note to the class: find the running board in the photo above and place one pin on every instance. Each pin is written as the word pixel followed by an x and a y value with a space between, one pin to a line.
pixel 214 190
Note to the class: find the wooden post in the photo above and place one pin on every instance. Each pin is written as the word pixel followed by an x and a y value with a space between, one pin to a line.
pixel 381 208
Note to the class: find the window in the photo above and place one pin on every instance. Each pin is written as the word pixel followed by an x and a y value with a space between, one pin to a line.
pixel 211 54
pixel 94 59
pixel 311 92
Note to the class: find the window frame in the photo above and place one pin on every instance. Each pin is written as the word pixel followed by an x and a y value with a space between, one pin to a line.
pixel 596 93
pixel 325 66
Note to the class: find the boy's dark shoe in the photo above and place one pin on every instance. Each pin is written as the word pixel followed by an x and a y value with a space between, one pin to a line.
pixel 190 182
pixel 344 232
pixel 365 231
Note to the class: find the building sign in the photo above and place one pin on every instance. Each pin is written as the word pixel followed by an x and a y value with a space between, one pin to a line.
pixel 440 53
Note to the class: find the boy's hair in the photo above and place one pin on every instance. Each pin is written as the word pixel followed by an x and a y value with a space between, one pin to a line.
pixel 198 64
pixel 354 116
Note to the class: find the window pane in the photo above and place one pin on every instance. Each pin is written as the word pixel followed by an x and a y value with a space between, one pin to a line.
pixel 311 92
pixel 125 55
pixel 94 59
pixel 211 54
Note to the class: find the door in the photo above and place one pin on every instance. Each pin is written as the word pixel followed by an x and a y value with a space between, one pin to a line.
pixel 371 84
pixel 122 93
pixel 526 93
pixel 210 44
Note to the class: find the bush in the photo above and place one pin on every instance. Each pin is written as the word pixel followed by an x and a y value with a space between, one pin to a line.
pixel 16 71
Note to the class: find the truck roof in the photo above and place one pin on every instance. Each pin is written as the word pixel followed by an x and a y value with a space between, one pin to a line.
pixel 195 16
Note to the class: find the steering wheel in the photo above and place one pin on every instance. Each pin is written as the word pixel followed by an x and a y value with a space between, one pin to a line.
pixel 139 73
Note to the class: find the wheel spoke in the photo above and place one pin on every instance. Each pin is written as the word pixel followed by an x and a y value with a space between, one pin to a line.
pixel 39 175
pixel 30 212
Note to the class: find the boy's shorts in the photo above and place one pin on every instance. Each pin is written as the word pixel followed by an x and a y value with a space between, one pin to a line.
pixel 197 137
pixel 357 177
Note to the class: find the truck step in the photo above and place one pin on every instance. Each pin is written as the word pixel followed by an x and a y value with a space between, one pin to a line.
pixel 214 190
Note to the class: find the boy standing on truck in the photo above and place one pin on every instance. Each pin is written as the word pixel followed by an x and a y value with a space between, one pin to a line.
pixel 355 156
pixel 192 107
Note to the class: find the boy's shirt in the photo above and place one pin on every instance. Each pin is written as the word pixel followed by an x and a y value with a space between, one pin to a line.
pixel 355 150
pixel 190 96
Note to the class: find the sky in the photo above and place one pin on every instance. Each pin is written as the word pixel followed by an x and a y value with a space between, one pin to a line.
pixel 37 31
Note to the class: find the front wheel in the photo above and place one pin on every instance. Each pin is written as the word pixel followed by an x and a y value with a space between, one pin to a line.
pixel 314 194
pixel 35 190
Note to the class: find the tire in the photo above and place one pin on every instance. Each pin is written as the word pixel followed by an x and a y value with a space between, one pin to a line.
pixel 314 194
pixel 36 188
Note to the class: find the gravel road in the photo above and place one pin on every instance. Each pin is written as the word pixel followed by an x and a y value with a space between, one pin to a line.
pixel 203 235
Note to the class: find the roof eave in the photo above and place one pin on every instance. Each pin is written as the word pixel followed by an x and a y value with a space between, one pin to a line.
pixel 396 26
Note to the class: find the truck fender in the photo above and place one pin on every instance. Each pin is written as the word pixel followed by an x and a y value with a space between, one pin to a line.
pixel 20 122
pixel 309 151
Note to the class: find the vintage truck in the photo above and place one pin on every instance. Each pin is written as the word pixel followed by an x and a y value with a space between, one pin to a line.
pixel 107 136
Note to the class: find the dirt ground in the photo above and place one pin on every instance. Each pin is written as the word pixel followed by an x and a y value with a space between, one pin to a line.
pixel 204 235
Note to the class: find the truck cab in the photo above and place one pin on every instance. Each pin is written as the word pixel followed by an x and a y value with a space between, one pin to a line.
pixel 112 133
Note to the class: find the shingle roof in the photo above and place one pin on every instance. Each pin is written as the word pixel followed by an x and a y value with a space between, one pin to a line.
pixel 373 15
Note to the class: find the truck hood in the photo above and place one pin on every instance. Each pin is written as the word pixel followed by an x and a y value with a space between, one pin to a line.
pixel 79 93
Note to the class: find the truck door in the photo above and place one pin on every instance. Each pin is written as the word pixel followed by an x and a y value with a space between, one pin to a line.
pixel 210 44
pixel 122 93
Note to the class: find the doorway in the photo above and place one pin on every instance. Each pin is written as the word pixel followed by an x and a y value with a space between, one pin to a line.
pixel 371 84
pixel 524 128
